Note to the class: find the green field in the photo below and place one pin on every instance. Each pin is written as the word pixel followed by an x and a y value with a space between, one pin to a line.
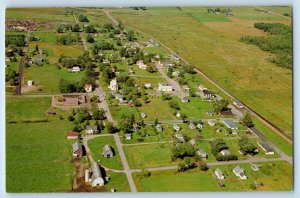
pixel 117 181
pixel 39 156
pixel 241 69
pixel 275 176
pixel 96 146
pixel 148 155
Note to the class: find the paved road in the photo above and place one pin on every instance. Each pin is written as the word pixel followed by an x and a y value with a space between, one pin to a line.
pixel 254 113
pixel 274 147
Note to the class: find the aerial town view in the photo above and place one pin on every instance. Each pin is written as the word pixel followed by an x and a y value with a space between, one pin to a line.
pixel 149 99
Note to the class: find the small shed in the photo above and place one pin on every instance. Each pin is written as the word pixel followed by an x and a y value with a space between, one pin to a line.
pixel 202 154
pixel 29 83
pixel 158 127
pixel 176 127
pixel 128 136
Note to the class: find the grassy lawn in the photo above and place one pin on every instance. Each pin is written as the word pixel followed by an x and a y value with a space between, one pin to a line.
pixel 45 37
pixel 96 145
pixel 209 17
pixel 44 151
pixel 275 176
pixel 48 77
pixel 22 108
pixel 117 181
pixel 147 156
pixel 220 54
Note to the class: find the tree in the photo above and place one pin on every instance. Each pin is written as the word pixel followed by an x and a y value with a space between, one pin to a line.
pixel 247 120
pixel 151 69
pixel 130 35
pixel 37 47
pixel 174 105
pixel 76 28
pixel 83 18
pixel 90 39
pixel 110 128
pixel 245 146
pixel 71 118
pixel 217 145
pixel 220 105
pixel 165 96
pixel 202 166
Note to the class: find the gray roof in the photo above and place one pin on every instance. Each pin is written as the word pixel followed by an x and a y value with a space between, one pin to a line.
pixel 201 152
pixel 175 126
pixel 265 146
pixel 106 148
pixel 238 170
pixel 94 128
pixel 77 147
pixel 218 171
pixel 158 127
pixel 96 172
pixel 236 101
pixel 128 134
pixel 229 123
pixel 226 152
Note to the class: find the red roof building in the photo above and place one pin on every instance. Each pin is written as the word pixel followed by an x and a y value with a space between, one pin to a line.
pixel 72 135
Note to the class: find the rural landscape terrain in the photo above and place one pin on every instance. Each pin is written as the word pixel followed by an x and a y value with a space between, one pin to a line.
pixel 149 99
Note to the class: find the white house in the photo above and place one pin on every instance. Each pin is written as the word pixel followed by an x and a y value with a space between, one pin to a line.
pixel 193 142
pixel 29 83
pixel 225 152
pixel 148 85
pixel 176 127
pixel 175 73
pixel 184 99
pixel 75 69
pixel 192 126
pixel 143 115
pixel 165 87
pixel 158 127
pixel 202 87
pixel 199 126
pixel 239 172
pixel 90 130
pixel 113 85
pixel 179 137
pixel 211 123
pixel 219 174
pixel 178 114
pixel 254 167
pixel 88 88
pixel 202 154
pixel 237 103
pixel 265 147
pixel 96 176
pixel 141 64
pixel 128 136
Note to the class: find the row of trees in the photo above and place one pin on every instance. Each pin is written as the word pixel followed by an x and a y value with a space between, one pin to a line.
pixel 15 39
pixel 217 145
pixel 67 39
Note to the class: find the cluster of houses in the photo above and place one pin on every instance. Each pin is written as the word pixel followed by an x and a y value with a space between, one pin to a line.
pixel 237 170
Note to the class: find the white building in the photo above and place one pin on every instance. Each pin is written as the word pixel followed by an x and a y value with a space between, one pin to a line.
pixel 88 88
pixel 96 176
pixel 238 171
pixel 165 87
pixel 75 69
pixel 219 174
pixel 29 83
pixel 141 64
pixel 113 85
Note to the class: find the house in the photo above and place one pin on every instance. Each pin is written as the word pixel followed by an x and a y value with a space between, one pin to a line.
pixel 75 69
pixel 174 57
pixel 202 87
pixel 141 64
pixel 113 85
pixel 72 135
pixel 165 87
pixel 192 126
pixel 88 88
pixel 225 152
pixel 128 136
pixel 254 167
pixel 143 115
pixel 96 176
pixel 237 103
pixel 239 172
pixel 193 142
pixel 175 73
pixel 29 83
pixel 208 95
pixel 158 127
pixel 266 148
pixel 176 127
pixel 121 98
pixel 209 113
pixel 135 127
pixel 148 85
pixel 199 126
pixel 184 99
pixel 77 150
pixel 211 123
pixel 168 64
pixel 131 103
pixel 230 124
pixel 186 88
pixel 106 61
pixel 178 114
pixel 179 137
pixel 219 174
pixel 202 154
pixel 91 129
pixel 107 151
